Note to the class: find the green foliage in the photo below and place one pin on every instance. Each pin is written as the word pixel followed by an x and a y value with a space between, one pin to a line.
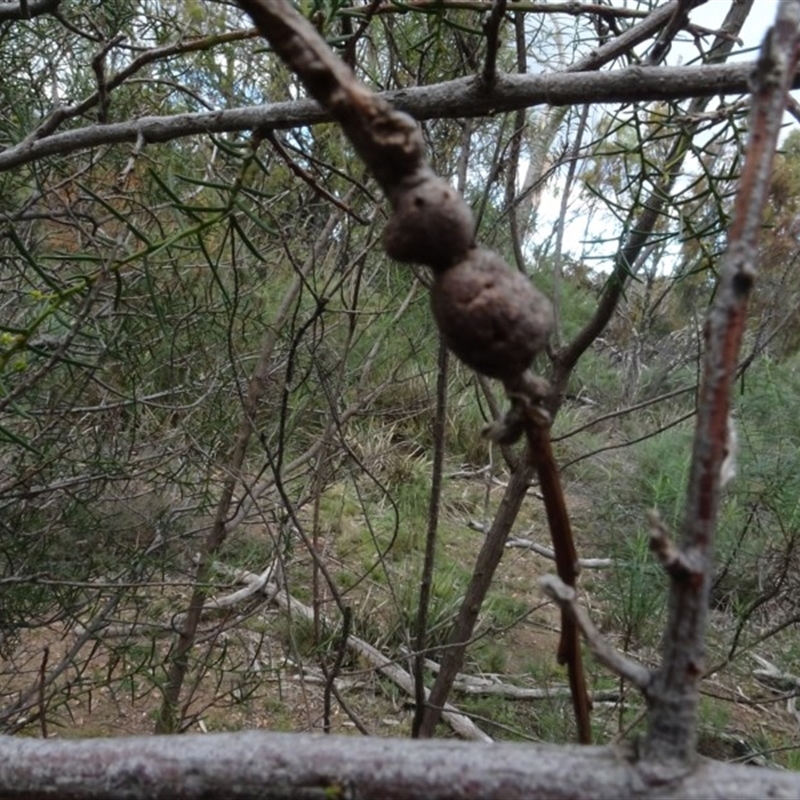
pixel 400 616
pixel 761 516
pixel 663 471
pixel 634 593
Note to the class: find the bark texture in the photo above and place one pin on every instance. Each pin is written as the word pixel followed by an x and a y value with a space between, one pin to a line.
pixel 464 97
pixel 279 766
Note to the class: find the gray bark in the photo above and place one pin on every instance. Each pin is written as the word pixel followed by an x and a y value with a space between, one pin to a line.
pixel 278 766
pixel 464 97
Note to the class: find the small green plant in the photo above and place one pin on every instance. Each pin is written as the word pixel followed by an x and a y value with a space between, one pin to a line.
pixel 445 600
pixel 634 593
pixel 490 656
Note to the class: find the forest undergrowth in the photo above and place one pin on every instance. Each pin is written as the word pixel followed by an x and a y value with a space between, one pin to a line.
pixel 259 666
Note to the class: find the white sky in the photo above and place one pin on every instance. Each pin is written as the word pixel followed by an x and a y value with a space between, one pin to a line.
pixel 712 14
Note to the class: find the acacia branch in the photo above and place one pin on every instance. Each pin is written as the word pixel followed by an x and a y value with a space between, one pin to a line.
pixel 678 20
pixel 540 453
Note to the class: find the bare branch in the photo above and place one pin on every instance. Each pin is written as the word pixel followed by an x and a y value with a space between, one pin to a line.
pixel 488 558
pixel 607 655
pixel 674 697
pixel 679 19
pixel 464 97
pixel 540 455
pixel 642 224
pixel 661 17
pixel 546 552
pixel 294 766
pixel 480 6
pixel 675 562
pixel 492 30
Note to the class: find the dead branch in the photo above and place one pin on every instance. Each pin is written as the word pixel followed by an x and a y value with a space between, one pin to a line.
pixel 546 552
pixel 566 598
pixel 462 725
pixel 464 97
pixel 257 765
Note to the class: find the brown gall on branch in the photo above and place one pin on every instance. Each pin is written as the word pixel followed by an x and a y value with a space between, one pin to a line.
pixel 496 322
pixel 490 316
pixel 431 224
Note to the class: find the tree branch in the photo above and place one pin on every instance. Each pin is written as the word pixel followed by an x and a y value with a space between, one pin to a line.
pixel 672 732
pixel 257 765
pixel 566 598
pixel 464 97
pixel 488 558
pixel 491 29
pixel 540 453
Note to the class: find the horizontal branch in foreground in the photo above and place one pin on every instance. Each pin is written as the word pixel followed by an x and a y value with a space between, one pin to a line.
pixel 463 97
pixel 279 766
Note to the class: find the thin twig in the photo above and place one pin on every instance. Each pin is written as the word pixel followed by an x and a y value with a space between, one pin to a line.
pixel 333 673
pixel 308 179
pixel 679 20
pixel 675 561
pixel 546 552
pixel 349 49
pixel 540 454
pixel 99 67
pixel 42 704
pixel 607 655
pixel 429 561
